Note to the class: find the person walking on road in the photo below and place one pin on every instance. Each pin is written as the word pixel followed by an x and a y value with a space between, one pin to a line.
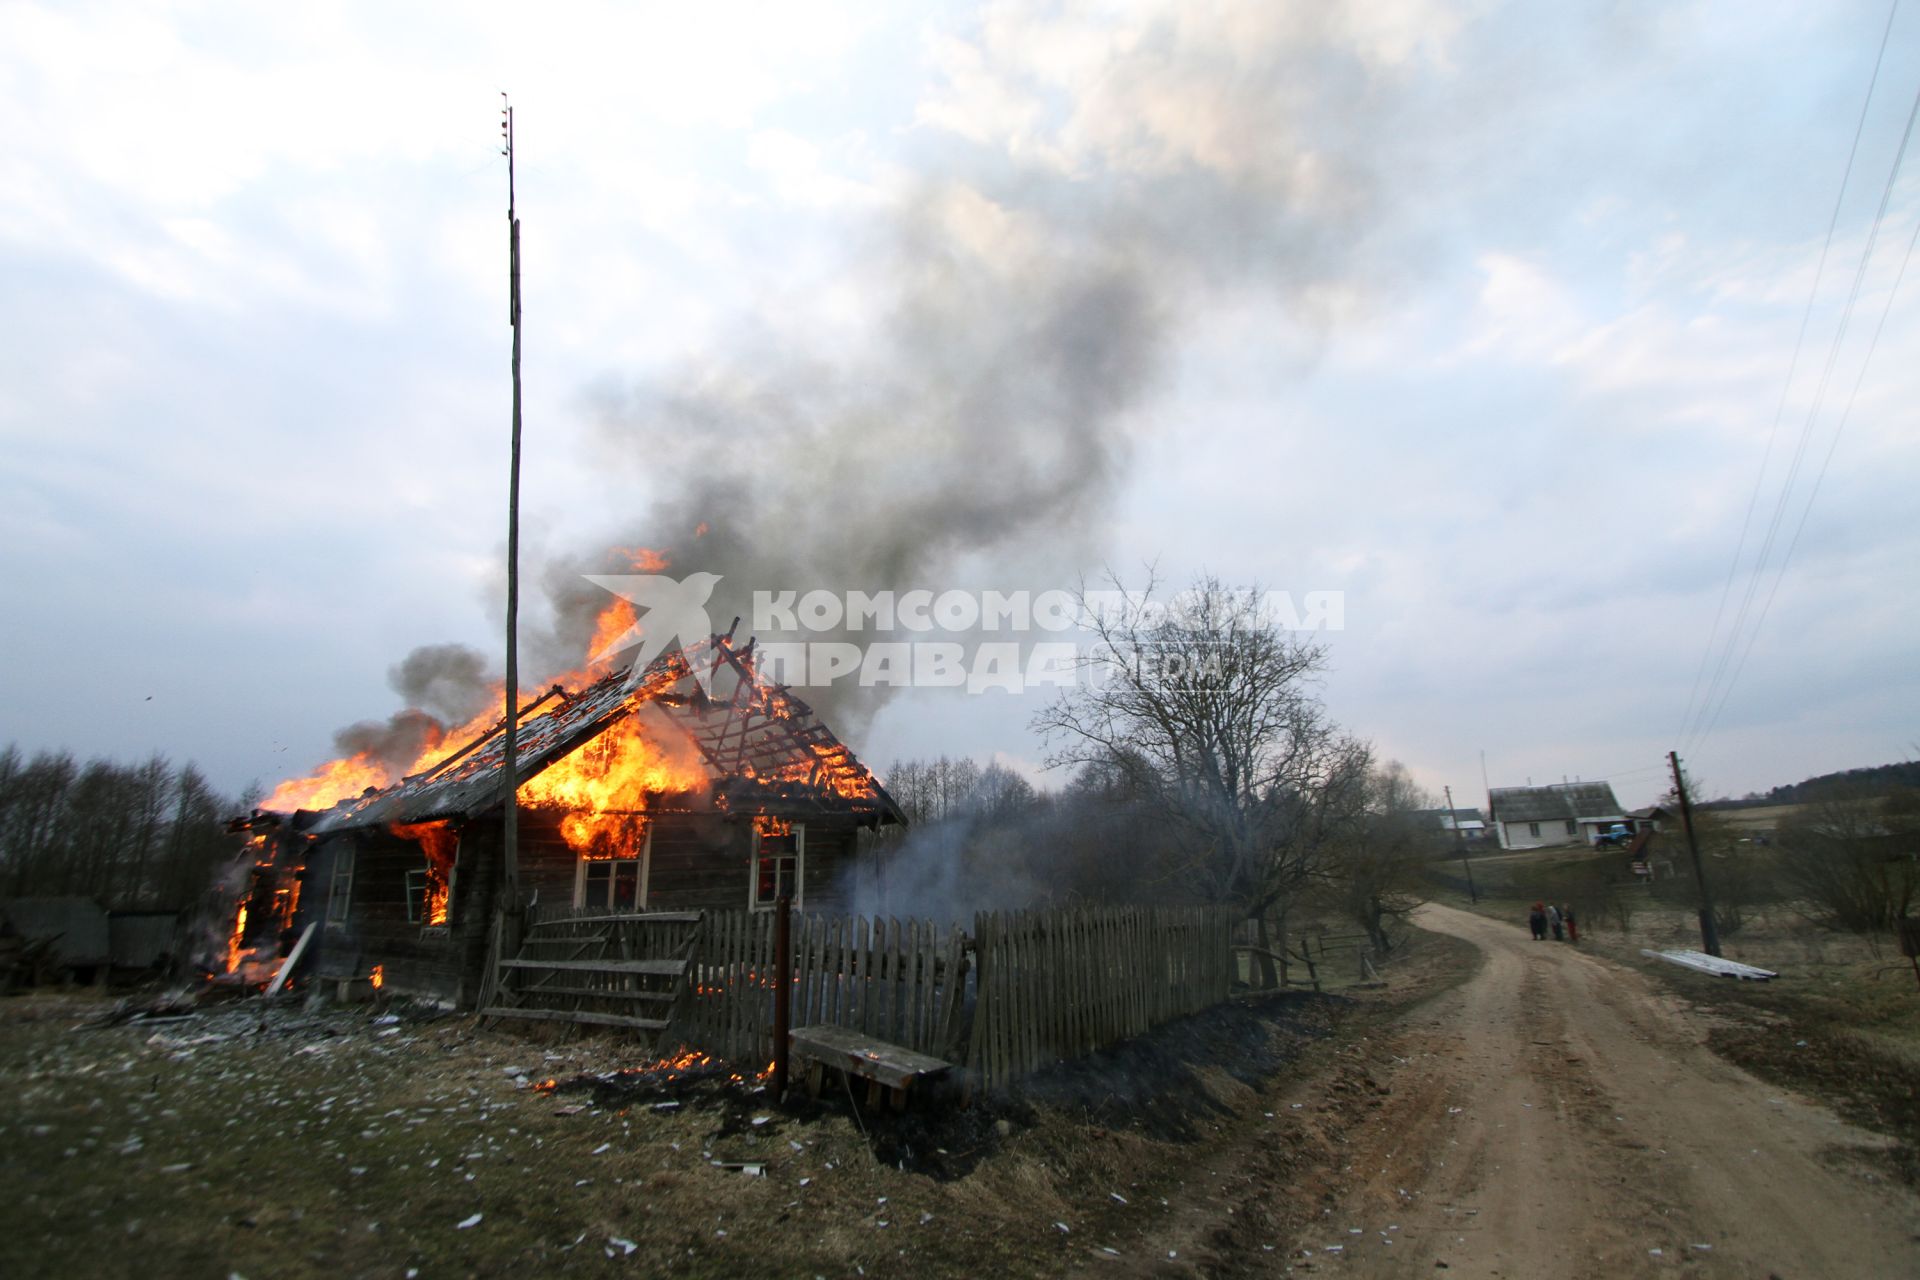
pixel 1553 922
pixel 1573 928
pixel 1537 920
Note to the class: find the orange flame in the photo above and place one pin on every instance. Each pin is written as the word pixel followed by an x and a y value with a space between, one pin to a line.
pixel 234 949
pixel 613 623
pixel 378 977
pixel 264 908
pixel 607 786
pixel 441 843
pixel 644 559
pixel 350 776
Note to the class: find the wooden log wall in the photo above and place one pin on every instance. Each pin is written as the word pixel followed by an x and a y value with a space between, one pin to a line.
pixel 1054 985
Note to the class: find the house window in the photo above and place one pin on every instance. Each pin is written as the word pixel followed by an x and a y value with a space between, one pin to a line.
pixel 430 887
pixel 340 891
pixel 1573 828
pixel 615 883
pixel 429 896
pixel 1533 828
pixel 779 863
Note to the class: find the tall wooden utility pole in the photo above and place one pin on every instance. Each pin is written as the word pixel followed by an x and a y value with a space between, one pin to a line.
pixel 1453 820
pixel 510 829
pixel 1709 932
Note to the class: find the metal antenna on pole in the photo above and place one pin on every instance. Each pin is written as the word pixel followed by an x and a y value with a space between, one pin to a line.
pixel 510 831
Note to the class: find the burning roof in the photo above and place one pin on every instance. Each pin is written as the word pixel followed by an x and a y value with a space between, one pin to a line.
pixel 757 746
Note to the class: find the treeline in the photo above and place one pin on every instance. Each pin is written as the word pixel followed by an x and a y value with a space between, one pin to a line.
pixel 984 838
pixel 129 836
pixel 1876 778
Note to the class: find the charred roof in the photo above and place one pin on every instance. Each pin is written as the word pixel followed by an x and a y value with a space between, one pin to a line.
pixel 764 748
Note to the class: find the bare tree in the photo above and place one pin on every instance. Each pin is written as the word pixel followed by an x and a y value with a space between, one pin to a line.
pixel 1377 860
pixel 1850 856
pixel 1210 711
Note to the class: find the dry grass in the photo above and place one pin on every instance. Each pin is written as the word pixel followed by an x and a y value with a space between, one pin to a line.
pixel 332 1144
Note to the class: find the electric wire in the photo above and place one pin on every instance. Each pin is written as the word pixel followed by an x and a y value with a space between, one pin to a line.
pixel 1779 413
pixel 1819 476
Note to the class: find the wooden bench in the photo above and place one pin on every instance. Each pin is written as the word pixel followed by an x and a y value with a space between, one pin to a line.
pixel 881 1065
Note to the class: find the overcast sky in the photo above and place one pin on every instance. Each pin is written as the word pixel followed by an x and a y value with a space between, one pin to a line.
pixel 1482 314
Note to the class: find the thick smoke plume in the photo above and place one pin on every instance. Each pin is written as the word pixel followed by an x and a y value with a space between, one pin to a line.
pixel 1028 288
pixel 450 681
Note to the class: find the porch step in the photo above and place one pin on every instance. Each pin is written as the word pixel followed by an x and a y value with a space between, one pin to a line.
pixel 641 917
pixel 655 968
pixel 597 993
pixel 576 1015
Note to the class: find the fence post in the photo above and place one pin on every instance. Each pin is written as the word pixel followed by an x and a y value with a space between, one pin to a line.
pixel 783 990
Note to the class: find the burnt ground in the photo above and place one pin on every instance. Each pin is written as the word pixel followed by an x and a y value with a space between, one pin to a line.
pixel 407 1142
pixel 1251 1140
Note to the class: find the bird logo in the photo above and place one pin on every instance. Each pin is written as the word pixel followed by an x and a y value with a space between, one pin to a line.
pixel 669 612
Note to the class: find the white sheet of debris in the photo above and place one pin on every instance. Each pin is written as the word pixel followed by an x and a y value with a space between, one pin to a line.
pixel 1712 964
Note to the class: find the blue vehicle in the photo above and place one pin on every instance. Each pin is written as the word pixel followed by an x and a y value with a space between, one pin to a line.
pixel 1617 836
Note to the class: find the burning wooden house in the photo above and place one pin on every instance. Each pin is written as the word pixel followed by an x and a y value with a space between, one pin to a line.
pixel 693 786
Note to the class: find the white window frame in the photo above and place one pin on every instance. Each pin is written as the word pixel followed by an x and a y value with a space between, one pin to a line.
pixel 754 902
pixel 340 885
pixel 640 890
pixel 1533 830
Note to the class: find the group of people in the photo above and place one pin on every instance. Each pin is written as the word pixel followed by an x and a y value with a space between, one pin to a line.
pixel 1545 916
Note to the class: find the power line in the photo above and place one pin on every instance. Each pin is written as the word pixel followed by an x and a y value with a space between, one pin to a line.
pixel 1780 507
pixel 1832 447
pixel 1779 413
pixel 1709 711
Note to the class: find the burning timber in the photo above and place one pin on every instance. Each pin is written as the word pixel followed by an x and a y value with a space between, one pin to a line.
pixel 695 787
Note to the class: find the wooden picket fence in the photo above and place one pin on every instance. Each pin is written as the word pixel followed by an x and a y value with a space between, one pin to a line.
pixel 1029 989
pixel 901 982
pixel 1054 985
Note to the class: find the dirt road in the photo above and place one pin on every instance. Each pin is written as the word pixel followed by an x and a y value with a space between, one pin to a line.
pixel 1557 1116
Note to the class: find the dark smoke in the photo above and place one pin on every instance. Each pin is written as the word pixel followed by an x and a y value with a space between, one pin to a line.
pixel 451 681
pixel 395 744
pixel 1031 297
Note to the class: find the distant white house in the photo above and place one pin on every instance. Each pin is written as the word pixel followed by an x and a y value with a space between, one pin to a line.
pixel 1534 817
pixel 1465 824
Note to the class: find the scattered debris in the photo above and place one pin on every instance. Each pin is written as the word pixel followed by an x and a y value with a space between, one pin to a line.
pixel 1712 964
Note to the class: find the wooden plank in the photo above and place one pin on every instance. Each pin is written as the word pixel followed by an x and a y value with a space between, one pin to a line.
pixel 771 987
pixel 612 993
pixel 657 968
pixel 862 970
pixel 978 1061
pixel 998 1044
pixel 919 981
pixel 893 1028
pixel 892 1065
pixel 293 958
pixel 641 918
pixel 576 1015
pixel 736 985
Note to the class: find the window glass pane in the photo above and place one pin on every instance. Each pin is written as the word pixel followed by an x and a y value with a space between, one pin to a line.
pixel 416 894
pixel 342 891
